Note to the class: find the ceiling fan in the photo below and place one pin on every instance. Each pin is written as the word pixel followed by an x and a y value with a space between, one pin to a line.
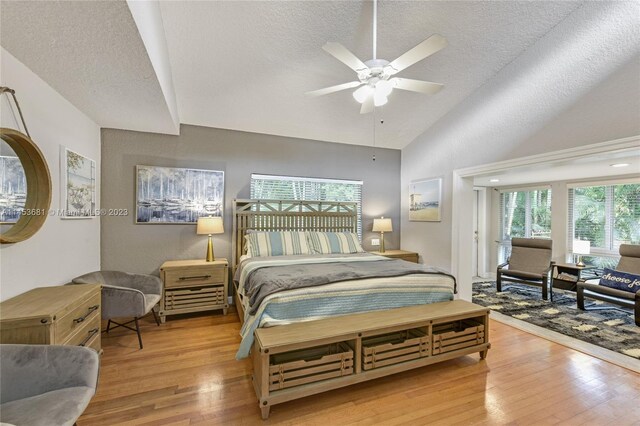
pixel 376 75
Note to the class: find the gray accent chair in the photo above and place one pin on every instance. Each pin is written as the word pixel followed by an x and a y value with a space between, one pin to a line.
pixel 125 295
pixel 43 385
pixel 529 263
pixel 629 262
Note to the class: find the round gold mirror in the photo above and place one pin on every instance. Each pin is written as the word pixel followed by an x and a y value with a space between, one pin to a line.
pixel 22 210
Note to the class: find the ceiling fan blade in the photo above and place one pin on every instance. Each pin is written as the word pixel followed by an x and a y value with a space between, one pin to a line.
pixel 428 47
pixel 367 106
pixel 341 53
pixel 426 87
pixel 333 89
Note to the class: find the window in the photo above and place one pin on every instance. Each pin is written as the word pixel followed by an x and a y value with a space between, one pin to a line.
pixel 270 187
pixel 526 214
pixel 607 216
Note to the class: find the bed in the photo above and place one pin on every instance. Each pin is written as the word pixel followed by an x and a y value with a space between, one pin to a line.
pixel 334 284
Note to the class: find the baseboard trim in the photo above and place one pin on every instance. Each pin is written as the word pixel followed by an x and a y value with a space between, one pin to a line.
pixel 590 349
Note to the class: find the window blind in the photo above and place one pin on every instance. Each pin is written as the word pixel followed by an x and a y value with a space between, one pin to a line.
pixel 605 215
pixel 270 187
pixel 525 214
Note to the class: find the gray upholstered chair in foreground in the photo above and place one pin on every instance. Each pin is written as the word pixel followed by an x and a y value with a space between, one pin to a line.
pixel 629 262
pixel 125 295
pixel 529 263
pixel 46 385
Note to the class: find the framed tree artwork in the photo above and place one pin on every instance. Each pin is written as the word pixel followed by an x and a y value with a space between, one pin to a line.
pixel 169 195
pixel 78 185
pixel 425 199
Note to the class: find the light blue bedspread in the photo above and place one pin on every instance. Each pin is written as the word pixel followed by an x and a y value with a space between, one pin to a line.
pixel 340 298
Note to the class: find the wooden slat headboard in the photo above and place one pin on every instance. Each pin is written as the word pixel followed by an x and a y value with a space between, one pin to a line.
pixel 290 215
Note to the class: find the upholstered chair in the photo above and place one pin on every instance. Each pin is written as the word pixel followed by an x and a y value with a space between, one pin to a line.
pixel 629 262
pixel 125 295
pixel 529 263
pixel 42 385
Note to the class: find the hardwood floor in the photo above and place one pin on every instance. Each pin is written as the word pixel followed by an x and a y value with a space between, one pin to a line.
pixel 187 374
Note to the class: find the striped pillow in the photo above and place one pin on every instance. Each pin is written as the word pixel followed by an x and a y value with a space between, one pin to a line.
pixel 276 243
pixel 334 242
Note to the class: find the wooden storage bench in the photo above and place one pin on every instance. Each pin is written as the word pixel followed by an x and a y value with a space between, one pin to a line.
pixel 297 360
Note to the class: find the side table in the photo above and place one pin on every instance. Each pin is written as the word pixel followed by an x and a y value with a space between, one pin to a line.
pixel 565 276
pixel 193 286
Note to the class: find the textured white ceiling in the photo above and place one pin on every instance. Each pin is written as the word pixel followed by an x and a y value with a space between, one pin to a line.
pixel 246 65
pixel 91 53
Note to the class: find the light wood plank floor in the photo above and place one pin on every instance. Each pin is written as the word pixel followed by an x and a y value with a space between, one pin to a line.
pixel 187 374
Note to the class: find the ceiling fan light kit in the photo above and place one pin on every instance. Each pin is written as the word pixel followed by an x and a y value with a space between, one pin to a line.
pixel 375 75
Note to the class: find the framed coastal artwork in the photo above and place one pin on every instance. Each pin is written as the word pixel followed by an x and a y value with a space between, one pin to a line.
pixel 425 200
pixel 13 187
pixel 78 185
pixel 169 195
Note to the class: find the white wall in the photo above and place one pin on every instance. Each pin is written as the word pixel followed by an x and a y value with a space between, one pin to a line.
pixel 61 249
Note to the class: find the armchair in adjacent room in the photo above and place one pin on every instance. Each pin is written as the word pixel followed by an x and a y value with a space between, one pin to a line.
pixel 629 262
pixel 125 295
pixel 529 263
pixel 42 385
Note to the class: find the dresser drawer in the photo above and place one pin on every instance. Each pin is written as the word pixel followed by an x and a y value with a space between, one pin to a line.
pixel 86 333
pixel 194 297
pixel 194 276
pixel 85 312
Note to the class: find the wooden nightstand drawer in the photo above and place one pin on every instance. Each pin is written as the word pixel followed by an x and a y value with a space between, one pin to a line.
pixel 190 276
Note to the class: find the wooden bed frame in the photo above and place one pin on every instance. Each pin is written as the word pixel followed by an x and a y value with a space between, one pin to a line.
pixel 301 359
pixel 287 215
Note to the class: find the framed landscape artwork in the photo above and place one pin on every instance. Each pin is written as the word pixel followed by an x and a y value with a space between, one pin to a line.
pixel 166 195
pixel 78 185
pixel 425 197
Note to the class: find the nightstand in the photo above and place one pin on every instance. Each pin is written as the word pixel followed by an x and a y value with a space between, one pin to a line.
pixel 409 256
pixel 193 286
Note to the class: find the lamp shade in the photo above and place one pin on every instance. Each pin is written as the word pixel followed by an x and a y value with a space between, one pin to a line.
pixel 209 225
pixel 581 247
pixel 382 225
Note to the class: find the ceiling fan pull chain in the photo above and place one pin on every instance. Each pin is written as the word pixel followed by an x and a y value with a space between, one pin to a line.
pixel 4 89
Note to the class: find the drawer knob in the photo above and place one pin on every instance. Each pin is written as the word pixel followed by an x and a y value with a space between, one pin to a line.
pixel 196 277
pixel 89 311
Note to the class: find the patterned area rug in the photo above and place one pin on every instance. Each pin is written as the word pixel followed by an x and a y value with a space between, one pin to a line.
pixel 613 329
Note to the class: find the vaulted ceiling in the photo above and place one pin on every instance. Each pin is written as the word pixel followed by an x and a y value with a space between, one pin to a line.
pixel 149 66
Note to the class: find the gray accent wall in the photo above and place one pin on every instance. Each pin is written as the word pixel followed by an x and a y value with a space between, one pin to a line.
pixel 142 248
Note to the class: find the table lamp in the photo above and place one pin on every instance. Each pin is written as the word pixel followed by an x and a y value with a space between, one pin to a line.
pixel 581 247
pixel 209 225
pixel 382 225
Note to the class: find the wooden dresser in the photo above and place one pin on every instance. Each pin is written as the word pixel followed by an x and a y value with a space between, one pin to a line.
pixel 410 256
pixel 193 286
pixel 60 315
